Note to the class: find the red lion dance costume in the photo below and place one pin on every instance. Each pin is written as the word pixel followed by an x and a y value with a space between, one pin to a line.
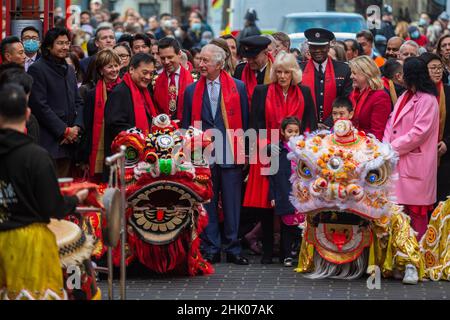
pixel 165 191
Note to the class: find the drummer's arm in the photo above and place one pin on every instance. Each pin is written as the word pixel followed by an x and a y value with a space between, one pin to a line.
pixel 46 190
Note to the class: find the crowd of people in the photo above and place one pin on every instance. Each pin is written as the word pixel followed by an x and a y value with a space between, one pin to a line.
pixel 116 72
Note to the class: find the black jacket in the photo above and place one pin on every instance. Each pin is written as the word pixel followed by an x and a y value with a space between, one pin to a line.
pixel 240 69
pixel 343 84
pixel 56 104
pixel 279 185
pixel 250 30
pixel 119 114
pixel 258 109
pixel 28 183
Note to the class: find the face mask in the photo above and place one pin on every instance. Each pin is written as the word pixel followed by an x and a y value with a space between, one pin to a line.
pixel 118 34
pixel 196 26
pixel 31 46
pixel 178 33
pixel 423 22
pixel 415 35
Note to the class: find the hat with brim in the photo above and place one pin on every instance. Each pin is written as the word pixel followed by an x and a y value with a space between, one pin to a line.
pixel 319 36
pixel 251 46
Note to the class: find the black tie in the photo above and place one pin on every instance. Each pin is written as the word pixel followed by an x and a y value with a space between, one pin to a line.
pixel 321 71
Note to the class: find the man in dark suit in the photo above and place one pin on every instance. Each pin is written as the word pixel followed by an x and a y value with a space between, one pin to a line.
pixel 31 42
pixel 219 102
pixel 326 78
pixel 55 100
pixel 104 38
pixel 129 104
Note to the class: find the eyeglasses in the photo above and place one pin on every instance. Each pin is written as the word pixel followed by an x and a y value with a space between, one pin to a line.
pixel 63 43
pixel 436 68
pixel 123 56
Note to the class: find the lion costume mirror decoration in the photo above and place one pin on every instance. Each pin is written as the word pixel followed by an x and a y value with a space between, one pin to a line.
pixel 343 182
pixel 165 191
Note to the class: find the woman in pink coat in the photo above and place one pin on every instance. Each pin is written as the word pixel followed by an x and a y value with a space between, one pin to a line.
pixel 412 130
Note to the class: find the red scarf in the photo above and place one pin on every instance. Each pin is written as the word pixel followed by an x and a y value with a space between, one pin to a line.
pixel 408 95
pixel 358 98
pixel 141 107
pixel 330 85
pixel 277 108
pixel 161 95
pixel 249 77
pixel 230 106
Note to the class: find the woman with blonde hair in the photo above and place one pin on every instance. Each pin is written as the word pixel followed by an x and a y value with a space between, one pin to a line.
pixel 401 30
pixel 283 97
pixel 371 103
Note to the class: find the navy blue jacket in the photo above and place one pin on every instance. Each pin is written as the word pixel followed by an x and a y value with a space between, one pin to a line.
pixel 56 104
pixel 217 123
pixel 279 185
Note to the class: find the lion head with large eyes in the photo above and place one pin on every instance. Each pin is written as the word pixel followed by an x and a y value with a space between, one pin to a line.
pixel 342 180
pixel 165 192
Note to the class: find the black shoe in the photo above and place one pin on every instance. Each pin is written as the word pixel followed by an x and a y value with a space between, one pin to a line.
pixel 212 257
pixel 237 259
pixel 266 260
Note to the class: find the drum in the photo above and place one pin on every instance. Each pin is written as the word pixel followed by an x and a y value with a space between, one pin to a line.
pixel 75 249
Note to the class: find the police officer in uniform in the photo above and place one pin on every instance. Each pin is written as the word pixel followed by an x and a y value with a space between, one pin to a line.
pixel 326 78
pixel 257 68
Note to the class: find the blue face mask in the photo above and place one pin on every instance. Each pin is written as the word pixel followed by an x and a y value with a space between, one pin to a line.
pixel 422 22
pixel 415 35
pixel 31 46
pixel 118 34
pixel 196 26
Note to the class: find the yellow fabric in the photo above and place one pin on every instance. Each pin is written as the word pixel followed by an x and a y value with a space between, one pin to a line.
pixel 29 264
pixel 306 256
pixel 395 246
pixel 392 92
pixel 267 72
pixel 435 243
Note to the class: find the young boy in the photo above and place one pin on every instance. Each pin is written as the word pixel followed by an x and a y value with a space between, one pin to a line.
pixel 279 191
pixel 29 196
pixel 342 109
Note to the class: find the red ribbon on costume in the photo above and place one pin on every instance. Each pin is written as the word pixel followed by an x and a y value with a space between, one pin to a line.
pixel 278 108
pixel 249 77
pixel 142 104
pixel 99 112
pixel 230 105
pixel 330 85
pixel 162 89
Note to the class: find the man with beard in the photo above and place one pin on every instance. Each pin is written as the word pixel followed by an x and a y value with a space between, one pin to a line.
pixel 393 48
pixel 326 78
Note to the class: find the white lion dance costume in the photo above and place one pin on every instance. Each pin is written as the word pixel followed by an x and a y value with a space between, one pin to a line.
pixel 342 182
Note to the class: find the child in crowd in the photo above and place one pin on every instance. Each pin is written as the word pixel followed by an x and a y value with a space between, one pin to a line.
pixel 279 191
pixel 342 109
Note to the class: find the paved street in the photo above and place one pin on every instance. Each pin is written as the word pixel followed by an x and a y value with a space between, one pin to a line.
pixel 267 282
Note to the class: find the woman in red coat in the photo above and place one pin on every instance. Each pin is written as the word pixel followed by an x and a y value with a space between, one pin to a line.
pixel 284 97
pixel 371 103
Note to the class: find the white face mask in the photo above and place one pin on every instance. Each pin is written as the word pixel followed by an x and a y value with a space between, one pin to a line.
pixel 178 33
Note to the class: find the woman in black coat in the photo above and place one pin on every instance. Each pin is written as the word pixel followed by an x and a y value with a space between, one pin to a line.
pixel 436 71
pixel 284 97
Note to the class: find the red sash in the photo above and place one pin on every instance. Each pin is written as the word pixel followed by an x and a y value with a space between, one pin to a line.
pixel 99 111
pixel 249 77
pixel 142 104
pixel 330 85
pixel 161 95
pixel 358 98
pixel 277 108
pixel 230 105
